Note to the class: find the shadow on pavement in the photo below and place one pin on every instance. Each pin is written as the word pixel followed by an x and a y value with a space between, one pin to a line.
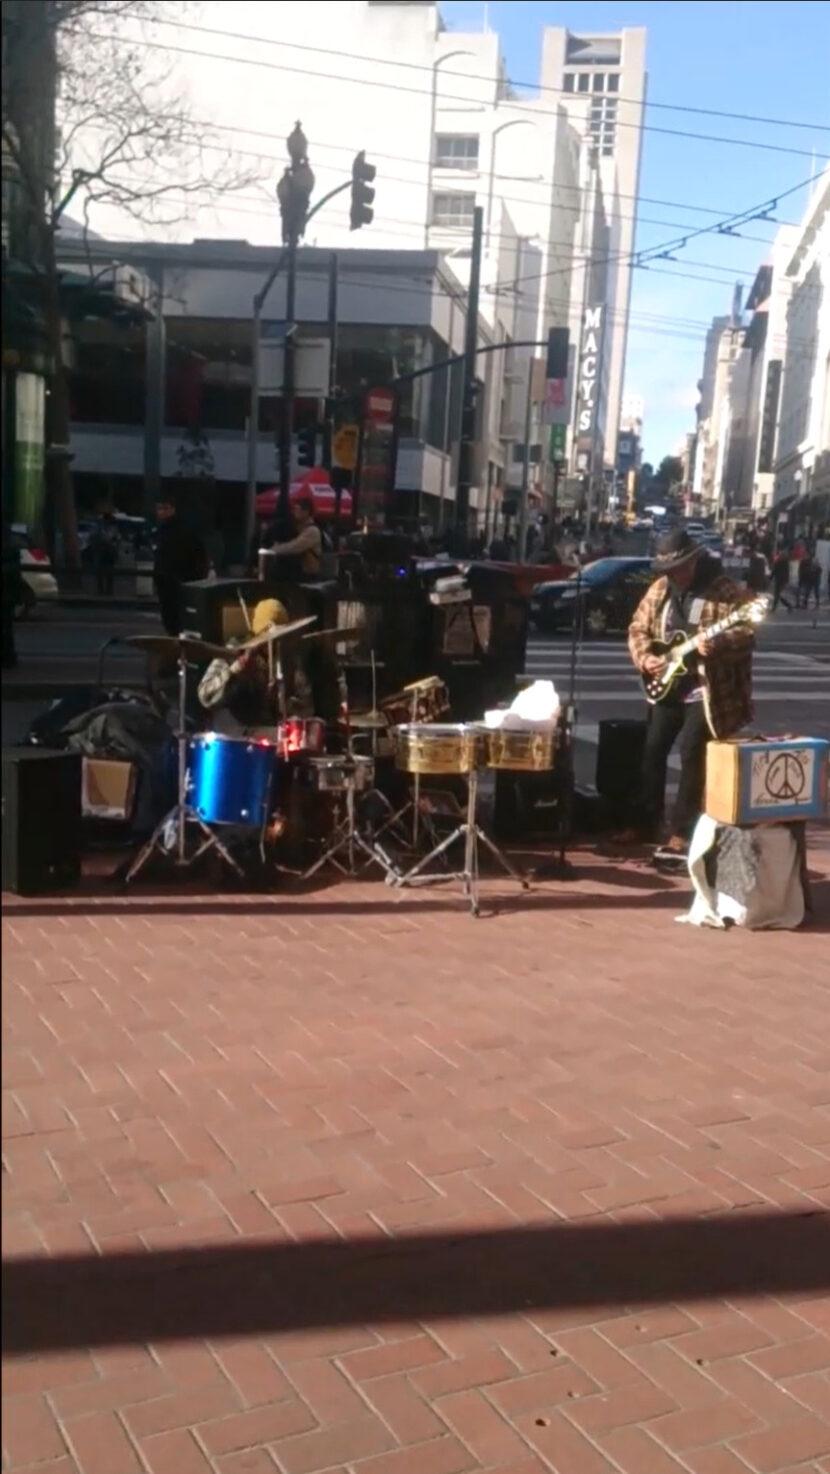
pixel 261 1289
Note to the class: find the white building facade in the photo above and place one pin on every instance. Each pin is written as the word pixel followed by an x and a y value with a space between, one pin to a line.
pixel 802 450
pixel 435 114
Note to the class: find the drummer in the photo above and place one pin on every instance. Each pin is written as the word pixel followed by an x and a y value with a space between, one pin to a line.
pixel 241 694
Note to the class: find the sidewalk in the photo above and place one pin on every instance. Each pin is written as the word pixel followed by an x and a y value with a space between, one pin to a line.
pixel 350 1183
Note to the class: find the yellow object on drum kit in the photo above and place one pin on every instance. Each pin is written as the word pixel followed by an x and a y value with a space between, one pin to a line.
pixel 435 749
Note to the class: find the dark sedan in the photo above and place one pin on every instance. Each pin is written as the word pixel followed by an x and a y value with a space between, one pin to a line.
pixel 605 595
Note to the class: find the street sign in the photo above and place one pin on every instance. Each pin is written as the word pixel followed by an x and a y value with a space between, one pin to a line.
pixel 558 442
pixel 344 447
pixel 380 406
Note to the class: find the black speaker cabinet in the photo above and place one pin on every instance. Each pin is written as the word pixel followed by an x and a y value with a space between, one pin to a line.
pixel 620 747
pixel 211 607
pixel 41 820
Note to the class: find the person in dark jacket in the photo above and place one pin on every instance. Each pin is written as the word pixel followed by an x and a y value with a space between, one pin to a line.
pixel 781 580
pixel 12 593
pixel 180 558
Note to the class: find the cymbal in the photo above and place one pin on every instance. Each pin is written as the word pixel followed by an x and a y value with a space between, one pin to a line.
pixel 348 636
pixel 275 632
pixel 368 721
pixel 426 683
pixel 187 645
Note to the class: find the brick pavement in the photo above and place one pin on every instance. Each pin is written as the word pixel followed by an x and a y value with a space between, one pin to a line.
pixel 399 1192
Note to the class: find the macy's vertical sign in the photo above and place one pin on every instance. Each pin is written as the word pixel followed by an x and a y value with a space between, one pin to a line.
pixel 588 380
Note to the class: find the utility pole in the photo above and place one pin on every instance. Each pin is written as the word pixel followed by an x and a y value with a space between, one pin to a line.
pixel 328 456
pixel 523 494
pixel 468 402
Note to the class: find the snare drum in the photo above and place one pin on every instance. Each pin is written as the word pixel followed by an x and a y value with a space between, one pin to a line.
pixel 438 748
pixel 519 752
pixel 230 779
pixel 300 736
pixel 332 774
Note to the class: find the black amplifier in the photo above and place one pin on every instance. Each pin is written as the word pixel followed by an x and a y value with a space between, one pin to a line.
pixel 41 820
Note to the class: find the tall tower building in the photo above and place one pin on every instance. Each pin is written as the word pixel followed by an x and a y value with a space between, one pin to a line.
pixel 601 81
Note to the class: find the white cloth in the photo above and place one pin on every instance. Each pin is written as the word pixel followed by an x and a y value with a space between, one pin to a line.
pixel 535 709
pixel 771 897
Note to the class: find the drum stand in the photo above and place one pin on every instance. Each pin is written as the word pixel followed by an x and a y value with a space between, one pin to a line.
pixel 359 853
pixel 181 815
pixel 474 836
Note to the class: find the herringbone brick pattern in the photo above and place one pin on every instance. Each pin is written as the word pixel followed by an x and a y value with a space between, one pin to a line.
pixel 264 1077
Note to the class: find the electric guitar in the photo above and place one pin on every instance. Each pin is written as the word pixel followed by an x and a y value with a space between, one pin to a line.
pixel 675 650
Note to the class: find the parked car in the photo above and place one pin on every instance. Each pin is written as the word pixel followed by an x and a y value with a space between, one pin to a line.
pixel 605 594
pixel 38 580
pixel 695 529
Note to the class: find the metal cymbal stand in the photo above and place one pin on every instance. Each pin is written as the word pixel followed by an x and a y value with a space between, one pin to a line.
pixel 559 867
pixel 347 836
pixel 181 814
pixel 473 836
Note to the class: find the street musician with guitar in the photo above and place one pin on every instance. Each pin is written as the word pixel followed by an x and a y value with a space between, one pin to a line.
pixel 691 639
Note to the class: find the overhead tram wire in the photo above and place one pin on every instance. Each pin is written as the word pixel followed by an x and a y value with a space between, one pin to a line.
pixel 538 87
pixel 260 63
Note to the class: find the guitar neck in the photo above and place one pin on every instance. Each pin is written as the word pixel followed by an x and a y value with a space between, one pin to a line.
pixel 709 634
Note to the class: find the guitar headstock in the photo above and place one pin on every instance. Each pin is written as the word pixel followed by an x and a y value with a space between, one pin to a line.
pixel 758 609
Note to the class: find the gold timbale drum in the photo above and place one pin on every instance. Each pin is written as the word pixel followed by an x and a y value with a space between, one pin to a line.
pixel 518 752
pixel 438 748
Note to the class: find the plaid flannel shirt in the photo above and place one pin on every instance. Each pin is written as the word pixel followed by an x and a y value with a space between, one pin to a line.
pixel 726 674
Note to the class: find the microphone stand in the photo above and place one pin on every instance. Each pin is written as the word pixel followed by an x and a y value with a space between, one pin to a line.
pixel 560 868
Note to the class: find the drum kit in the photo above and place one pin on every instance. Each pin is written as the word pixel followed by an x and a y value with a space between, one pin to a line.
pixel 229 783
pixel 220 780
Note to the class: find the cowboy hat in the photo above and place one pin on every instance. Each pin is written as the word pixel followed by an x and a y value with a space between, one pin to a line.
pixel 674 549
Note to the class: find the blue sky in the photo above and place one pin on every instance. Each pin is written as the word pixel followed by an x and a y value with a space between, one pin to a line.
pixel 744 56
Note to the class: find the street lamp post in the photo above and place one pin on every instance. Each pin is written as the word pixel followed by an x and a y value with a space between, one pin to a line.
pixel 293 195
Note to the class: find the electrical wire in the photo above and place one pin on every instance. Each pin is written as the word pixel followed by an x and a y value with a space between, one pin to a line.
pixel 260 63
pixel 454 187
pixel 412 226
pixel 494 82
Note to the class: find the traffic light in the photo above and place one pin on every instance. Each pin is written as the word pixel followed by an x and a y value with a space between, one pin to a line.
pixel 556 365
pixel 361 212
pixel 307 447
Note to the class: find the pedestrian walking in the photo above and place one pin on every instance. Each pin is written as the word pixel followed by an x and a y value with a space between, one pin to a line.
pixel 12 593
pixel 809 580
pixel 780 580
pixel 105 555
pixel 180 557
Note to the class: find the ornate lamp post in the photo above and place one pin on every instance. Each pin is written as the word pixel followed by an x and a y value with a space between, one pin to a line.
pixel 293 196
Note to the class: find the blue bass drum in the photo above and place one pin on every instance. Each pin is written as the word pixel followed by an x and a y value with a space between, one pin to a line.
pixel 230 779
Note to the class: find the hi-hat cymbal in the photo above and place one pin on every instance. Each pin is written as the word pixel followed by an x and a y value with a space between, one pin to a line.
pixel 189 646
pixel 426 683
pixel 368 721
pixel 276 632
pixel 348 636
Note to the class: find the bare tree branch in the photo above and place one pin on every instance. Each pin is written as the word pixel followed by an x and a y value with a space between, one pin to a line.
pixel 123 137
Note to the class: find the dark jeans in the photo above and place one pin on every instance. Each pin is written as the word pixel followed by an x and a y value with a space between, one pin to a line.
pixel 169 594
pixel 668 722
pixel 105 578
pixel 9 648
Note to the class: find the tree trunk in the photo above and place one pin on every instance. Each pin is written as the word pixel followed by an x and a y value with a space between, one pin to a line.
pixel 58 466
